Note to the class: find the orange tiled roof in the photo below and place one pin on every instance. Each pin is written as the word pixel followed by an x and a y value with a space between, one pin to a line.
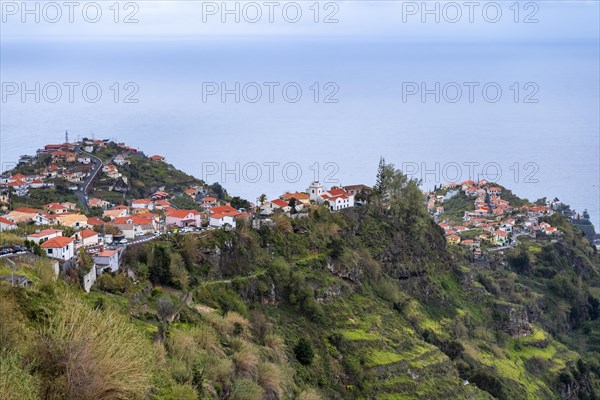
pixel 6 221
pixel 106 253
pixel 57 242
pixel 296 195
pixel 141 201
pixel 280 203
pixel 45 232
pixel 95 222
pixel 139 219
pixel 181 213
pixel 86 233
pixel 27 210
pixel 225 210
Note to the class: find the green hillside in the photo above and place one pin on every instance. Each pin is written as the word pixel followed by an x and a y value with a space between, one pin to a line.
pixel 369 303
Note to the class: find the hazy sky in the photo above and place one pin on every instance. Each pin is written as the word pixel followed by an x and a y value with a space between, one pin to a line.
pixel 459 20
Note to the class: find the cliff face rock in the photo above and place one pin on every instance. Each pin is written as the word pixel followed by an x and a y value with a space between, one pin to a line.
pixel 352 273
pixel 407 255
pixel 330 293
pixel 513 319
pixel 575 383
pixel 226 258
pixel 587 228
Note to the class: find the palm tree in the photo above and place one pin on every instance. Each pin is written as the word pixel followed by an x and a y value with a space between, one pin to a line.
pixel 11 192
pixel 262 199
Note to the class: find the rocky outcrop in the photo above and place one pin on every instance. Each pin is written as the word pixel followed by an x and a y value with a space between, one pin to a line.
pixel 352 273
pixel 575 383
pixel 513 319
pixel 330 293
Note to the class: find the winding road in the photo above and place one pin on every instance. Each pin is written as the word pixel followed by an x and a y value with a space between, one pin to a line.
pixel 82 189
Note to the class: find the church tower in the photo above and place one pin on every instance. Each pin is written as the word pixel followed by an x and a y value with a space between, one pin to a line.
pixel 315 190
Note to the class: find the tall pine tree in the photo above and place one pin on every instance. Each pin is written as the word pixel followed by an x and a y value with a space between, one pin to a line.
pixel 380 180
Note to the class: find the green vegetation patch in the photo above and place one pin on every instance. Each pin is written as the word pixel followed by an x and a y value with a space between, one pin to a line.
pixel 358 334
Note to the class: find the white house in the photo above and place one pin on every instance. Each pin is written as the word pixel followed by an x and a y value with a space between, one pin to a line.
pixel 95 202
pixel 222 215
pixel 44 235
pixel 87 237
pixel 120 160
pixel 133 230
pixel 500 237
pixel 44 219
pixel 20 187
pixel 22 214
pixel 72 220
pixel 208 202
pixel 282 204
pixel 142 204
pixel 116 212
pixel 107 259
pixel 56 208
pixel 6 225
pixel 128 230
pixel 220 220
pixel 277 204
pixel 37 183
pixel 111 171
pixel 135 225
pixel 494 191
pixel 506 227
pixel 338 199
pixel 60 247
pixel 183 218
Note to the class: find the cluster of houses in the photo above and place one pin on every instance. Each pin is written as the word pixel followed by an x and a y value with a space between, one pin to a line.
pixel 59 162
pixel 153 215
pixel 148 216
pixel 62 230
pixel 336 198
pixel 493 220
pixel 219 214
pixel 51 226
pixel 63 162
pixel 21 184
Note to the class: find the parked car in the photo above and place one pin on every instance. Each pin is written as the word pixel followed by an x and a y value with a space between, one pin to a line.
pixel 123 241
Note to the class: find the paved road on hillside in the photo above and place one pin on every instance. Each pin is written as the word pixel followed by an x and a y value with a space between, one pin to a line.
pixel 83 188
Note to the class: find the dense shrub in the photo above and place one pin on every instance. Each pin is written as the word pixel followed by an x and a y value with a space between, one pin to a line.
pixel 304 352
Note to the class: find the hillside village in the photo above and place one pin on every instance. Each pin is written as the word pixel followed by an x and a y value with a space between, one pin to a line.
pixel 488 216
pixel 95 211
pixel 101 217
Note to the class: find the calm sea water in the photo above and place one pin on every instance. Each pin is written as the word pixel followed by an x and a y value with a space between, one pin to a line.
pixel 549 148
